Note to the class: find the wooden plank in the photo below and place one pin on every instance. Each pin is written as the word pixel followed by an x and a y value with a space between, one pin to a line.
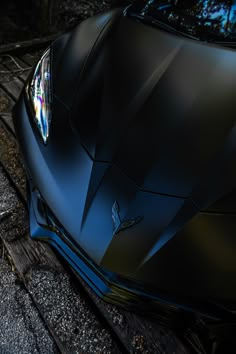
pixel 9 158
pixel 7 120
pixel 13 88
pixel 11 84
pixel 28 45
pixel 28 67
pixel 15 64
pixel 6 102
pixel 25 252
pixel 31 59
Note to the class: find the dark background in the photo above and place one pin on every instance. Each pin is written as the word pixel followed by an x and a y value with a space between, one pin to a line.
pixel 27 19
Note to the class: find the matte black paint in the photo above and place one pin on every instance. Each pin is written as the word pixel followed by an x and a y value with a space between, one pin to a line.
pixel 147 119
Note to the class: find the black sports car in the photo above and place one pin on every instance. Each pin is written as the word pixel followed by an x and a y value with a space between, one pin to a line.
pixel 127 129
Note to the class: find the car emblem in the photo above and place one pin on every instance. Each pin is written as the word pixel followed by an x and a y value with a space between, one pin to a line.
pixel 118 224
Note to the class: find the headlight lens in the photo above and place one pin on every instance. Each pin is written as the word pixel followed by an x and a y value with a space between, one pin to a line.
pixel 40 95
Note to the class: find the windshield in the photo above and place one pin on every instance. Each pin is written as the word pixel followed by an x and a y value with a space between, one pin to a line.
pixel 203 19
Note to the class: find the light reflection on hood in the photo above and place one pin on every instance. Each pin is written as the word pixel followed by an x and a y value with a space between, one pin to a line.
pixel 205 19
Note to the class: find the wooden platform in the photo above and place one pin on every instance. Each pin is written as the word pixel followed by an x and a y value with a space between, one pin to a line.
pixel 130 332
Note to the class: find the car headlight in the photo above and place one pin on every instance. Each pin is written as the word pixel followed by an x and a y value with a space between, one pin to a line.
pixel 39 91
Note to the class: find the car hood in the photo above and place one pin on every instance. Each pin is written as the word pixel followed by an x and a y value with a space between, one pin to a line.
pixel 153 153
pixel 163 111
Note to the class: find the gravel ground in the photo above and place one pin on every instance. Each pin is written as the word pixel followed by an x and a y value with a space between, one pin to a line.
pixel 7 197
pixel 69 314
pixel 21 328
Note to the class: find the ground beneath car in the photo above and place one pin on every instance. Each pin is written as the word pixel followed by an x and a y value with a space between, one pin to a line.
pixel 21 327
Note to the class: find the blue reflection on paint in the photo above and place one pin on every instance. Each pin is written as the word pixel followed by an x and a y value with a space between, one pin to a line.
pixel 205 19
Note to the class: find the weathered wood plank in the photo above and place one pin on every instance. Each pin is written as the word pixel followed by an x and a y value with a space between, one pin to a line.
pixel 31 59
pixel 30 44
pixel 17 66
pixel 25 252
pixel 12 85
pixel 6 102
pixel 27 68
pixel 9 158
pixel 7 120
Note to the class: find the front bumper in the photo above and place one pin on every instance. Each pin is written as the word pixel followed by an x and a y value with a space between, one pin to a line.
pixel 108 286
